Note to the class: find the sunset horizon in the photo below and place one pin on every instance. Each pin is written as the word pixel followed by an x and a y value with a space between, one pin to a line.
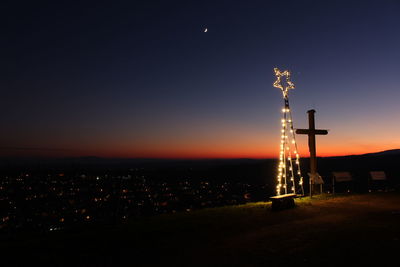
pixel 168 156
pixel 164 80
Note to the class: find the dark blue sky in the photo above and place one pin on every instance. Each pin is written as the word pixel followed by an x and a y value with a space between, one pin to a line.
pixel 141 78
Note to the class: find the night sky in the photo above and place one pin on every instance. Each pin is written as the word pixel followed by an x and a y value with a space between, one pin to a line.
pixel 143 79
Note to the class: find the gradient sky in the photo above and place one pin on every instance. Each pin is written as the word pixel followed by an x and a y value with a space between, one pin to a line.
pixel 142 79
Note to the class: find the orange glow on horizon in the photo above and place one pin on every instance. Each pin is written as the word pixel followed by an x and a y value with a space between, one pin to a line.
pixel 204 154
pixel 245 147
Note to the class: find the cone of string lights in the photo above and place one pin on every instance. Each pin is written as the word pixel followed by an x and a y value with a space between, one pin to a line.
pixel 289 177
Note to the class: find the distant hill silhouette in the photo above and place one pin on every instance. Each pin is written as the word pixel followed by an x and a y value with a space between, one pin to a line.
pixel 256 171
pixel 94 160
pixel 391 152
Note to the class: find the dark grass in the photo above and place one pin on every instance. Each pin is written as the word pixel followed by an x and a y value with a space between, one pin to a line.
pixel 353 229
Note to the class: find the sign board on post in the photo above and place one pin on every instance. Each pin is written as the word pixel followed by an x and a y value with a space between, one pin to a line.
pixel 316 178
pixel 342 177
pixel 378 175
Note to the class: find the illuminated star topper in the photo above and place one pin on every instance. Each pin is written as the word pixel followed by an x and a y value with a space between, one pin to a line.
pixel 278 82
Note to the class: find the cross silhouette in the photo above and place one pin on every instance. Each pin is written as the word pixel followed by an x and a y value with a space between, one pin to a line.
pixel 311 132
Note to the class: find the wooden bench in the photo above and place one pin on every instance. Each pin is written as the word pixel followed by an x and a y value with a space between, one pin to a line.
pixel 283 202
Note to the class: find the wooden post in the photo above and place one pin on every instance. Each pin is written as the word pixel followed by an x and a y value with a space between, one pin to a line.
pixel 311 132
pixel 311 141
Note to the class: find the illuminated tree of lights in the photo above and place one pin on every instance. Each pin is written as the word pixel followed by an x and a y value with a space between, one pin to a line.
pixel 289 171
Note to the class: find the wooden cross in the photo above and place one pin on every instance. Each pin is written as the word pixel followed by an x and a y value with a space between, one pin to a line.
pixel 312 132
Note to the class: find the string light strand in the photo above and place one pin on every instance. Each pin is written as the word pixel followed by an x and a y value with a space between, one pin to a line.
pixel 288 173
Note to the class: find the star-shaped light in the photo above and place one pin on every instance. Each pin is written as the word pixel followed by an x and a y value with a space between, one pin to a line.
pixel 278 82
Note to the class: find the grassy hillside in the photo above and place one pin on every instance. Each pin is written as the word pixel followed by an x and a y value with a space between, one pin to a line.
pixel 360 229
